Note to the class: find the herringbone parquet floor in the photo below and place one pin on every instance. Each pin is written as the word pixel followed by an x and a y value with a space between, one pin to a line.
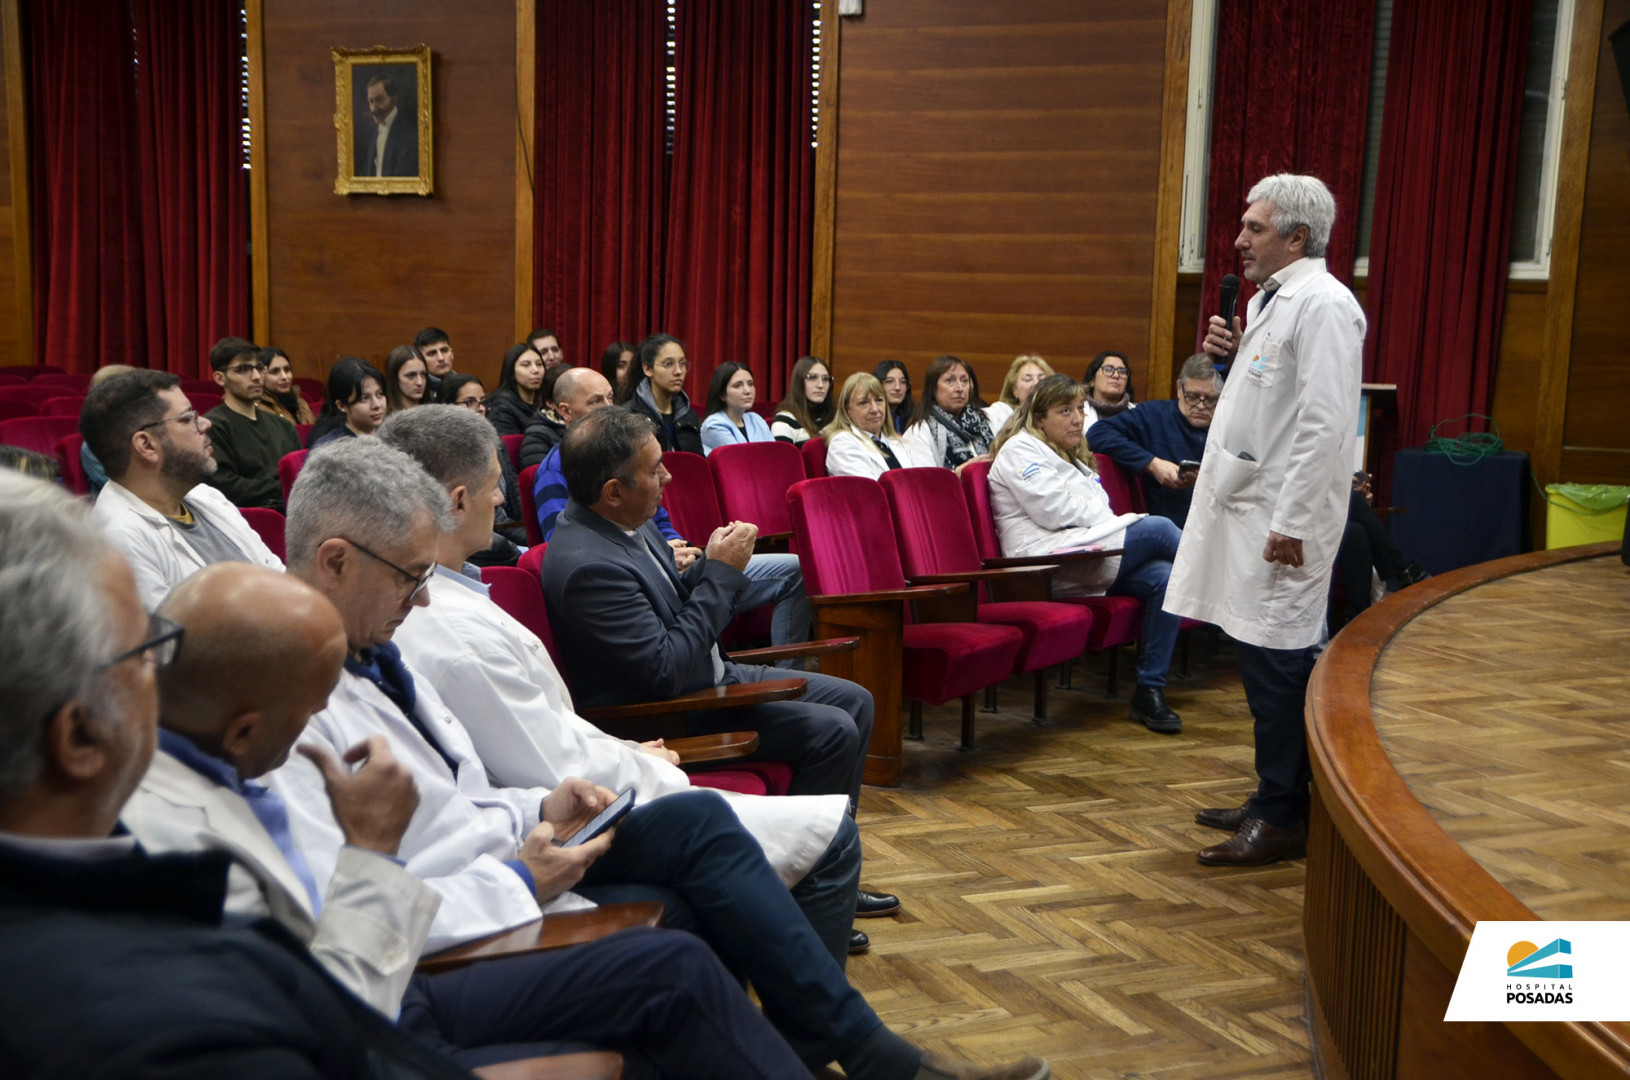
pixel 1053 904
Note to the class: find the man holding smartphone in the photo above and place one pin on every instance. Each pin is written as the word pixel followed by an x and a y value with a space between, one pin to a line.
pixel 1163 441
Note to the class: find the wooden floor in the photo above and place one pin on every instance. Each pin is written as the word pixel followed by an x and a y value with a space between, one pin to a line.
pixel 1507 711
pixel 1053 904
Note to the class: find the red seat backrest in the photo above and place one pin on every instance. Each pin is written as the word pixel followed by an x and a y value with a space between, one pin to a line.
pixel 930 521
pixel 752 480
pixel 76 384
pixel 976 496
pixel 512 446
pixel 200 386
pixel 13 410
pixel 814 451
pixel 845 541
pixel 1122 487
pixel 204 402
pixel 288 470
pixel 38 433
pixel 692 501
pixel 304 431
pixel 313 390
pixel 66 405
pixel 12 380
pixel 71 465
pixel 529 505
pixel 269 525
pixel 520 594
pixel 531 561
pixel 33 393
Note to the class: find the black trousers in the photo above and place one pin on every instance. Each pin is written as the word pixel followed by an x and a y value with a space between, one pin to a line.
pixel 1276 690
pixel 1365 544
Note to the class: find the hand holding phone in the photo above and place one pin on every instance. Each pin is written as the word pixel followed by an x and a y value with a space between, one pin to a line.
pixel 605 819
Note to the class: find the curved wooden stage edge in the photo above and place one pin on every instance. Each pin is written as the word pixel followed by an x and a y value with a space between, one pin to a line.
pixel 1391 898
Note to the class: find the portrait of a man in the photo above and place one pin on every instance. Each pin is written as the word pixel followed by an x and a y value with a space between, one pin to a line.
pixel 387 131
pixel 382 113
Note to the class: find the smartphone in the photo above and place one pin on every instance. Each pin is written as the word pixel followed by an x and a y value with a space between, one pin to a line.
pixel 1187 467
pixel 602 821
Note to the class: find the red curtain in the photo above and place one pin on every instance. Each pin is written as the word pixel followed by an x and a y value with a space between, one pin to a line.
pixel 1290 93
pixel 1440 244
pixel 601 186
pixel 741 215
pixel 140 219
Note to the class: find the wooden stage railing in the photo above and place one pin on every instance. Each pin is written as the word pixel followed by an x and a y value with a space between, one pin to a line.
pixel 1391 899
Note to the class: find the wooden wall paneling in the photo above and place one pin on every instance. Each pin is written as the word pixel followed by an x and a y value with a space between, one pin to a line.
pixel 826 185
pixel 998 182
pixel 360 274
pixel 17 302
pixel 526 160
pixel 1552 398
pixel 1169 198
pixel 259 253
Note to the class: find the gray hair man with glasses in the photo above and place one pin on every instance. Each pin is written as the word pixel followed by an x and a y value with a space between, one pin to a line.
pixel 1155 439
pixel 158 510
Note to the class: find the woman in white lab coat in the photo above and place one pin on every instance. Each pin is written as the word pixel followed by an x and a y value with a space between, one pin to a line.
pixel 1048 499
pixel 860 441
pixel 949 429
pixel 1022 376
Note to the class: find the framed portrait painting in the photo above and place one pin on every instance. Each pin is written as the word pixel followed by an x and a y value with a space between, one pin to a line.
pixel 382 116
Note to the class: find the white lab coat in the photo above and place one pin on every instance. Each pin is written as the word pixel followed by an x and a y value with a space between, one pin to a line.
pixel 376 916
pixel 1291 403
pixel 495 673
pixel 463 830
pixel 1090 413
pixel 158 554
pixel 997 414
pixel 1043 504
pixel 849 454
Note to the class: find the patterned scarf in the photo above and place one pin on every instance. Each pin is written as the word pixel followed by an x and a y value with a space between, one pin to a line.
pixel 960 438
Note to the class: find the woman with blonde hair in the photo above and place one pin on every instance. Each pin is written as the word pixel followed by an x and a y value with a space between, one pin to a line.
pixel 1022 376
pixel 860 440
pixel 1047 500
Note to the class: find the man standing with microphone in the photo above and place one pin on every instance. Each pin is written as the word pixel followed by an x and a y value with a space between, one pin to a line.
pixel 1271 500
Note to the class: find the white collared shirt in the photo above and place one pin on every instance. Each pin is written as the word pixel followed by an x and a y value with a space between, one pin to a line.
pixel 379 143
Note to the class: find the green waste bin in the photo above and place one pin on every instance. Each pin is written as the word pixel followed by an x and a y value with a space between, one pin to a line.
pixel 1584 514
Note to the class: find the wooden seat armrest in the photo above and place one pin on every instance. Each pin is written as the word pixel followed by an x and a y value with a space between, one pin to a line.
pixel 713 697
pixel 823 647
pixel 726 746
pixel 550 932
pixel 910 592
pixel 1004 574
pixel 598 1065
pixel 1054 559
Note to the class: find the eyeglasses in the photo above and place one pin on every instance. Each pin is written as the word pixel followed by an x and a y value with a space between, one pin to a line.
pixel 189 417
pixel 419 582
pixel 813 377
pixel 245 369
pixel 671 364
pixel 1199 399
pixel 162 647
pixel 474 404
pixel 1114 371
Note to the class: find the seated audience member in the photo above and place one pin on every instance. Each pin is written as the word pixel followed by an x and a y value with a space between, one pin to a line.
pixel 263 651
pixel 437 349
pixel 659 394
pixel 279 394
pixel 808 406
pixel 860 440
pixel 896 383
pixel 616 361
pixel 1109 388
pixel 519 397
pixel 1153 439
pixel 545 429
pixel 249 440
pixel 1022 376
pixel 547 344
pixel 407 379
pixel 730 417
pixel 775 578
pixel 364 528
pixel 156 509
pixel 613 584
pixel 1047 499
pixel 1366 546
pixel 355 405
pixel 948 429
pixel 466 392
pixel 95 475
pixel 27 462
pixel 114 962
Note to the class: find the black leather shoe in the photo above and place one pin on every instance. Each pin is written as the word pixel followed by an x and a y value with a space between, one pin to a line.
pixel 872 905
pixel 858 942
pixel 1149 708
pixel 1257 843
pixel 1228 820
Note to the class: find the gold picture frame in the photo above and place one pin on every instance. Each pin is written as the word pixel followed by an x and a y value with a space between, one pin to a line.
pixel 390 85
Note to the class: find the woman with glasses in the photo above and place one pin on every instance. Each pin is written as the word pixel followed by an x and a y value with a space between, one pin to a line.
pixel 659 393
pixel 1047 500
pixel 519 396
pixel 1108 382
pixel 1022 376
pixel 896 382
pixel 465 391
pixel 808 405
pixel 949 429
pixel 355 405
pixel 730 417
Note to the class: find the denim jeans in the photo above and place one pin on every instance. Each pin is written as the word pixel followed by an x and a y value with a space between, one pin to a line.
pixel 1151 544
pixel 777 579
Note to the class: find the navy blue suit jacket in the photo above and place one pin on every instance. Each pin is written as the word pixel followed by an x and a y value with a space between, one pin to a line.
pixel 1138 436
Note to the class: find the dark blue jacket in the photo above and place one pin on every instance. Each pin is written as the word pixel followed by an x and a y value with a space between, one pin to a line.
pixel 549 495
pixel 1138 436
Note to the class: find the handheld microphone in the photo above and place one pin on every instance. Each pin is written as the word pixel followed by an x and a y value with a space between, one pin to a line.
pixel 1229 294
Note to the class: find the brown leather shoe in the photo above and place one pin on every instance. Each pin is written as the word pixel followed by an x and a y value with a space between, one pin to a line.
pixel 1228 820
pixel 939 1067
pixel 1257 843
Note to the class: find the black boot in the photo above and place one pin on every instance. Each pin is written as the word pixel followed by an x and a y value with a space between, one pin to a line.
pixel 1149 708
